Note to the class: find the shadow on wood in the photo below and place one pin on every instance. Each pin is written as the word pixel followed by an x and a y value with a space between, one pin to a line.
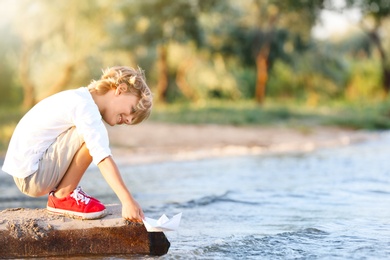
pixel 35 233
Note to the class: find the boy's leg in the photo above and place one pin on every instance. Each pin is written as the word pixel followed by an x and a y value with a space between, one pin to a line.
pixel 54 164
pixel 80 162
pixel 66 198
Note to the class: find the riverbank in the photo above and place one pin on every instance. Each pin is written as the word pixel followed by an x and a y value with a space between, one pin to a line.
pixel 152 142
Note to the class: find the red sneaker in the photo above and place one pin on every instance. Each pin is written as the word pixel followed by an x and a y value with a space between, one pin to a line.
pixel 76 205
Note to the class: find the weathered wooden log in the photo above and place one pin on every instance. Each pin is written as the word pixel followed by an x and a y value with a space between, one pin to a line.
pixel 36 233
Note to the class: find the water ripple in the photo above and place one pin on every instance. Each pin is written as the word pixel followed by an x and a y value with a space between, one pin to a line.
pixel 212 199
pixel 308 243
pixel 289 245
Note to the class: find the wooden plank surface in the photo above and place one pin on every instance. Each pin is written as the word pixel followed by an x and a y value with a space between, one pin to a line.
pixel 36 233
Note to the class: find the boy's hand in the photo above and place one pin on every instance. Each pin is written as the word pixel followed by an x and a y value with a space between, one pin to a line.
pixel 132 211
pixel 130 208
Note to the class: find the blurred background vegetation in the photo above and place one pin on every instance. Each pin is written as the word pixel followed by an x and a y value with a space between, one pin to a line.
pixel 206 61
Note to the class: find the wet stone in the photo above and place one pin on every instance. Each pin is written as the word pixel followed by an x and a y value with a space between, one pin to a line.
pixel 35 233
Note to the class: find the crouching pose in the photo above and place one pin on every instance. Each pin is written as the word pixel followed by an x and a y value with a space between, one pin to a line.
pixel 55 142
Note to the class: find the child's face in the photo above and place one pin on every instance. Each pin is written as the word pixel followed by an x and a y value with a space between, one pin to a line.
pixel 120 109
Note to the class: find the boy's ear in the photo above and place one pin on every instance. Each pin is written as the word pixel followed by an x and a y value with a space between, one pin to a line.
pixel 121 88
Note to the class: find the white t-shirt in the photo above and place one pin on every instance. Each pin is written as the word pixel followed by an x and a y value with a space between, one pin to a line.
pixel 40 127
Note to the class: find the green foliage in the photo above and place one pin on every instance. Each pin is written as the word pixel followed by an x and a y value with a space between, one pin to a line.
pixel 229 113
pixel 221 38
pixel 315 79
pixel 355 115
pixel 356 45
pixel 378 9
pixel 246 80
pixel 155 22
pixel 365 81
pixel 211 79
pixel 10 92
pixel 9 117
pixel 362 115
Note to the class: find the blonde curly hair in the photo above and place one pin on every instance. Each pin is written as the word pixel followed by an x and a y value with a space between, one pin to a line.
pixel 136 85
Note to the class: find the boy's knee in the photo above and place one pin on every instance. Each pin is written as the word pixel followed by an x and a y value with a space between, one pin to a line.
pixel 24 187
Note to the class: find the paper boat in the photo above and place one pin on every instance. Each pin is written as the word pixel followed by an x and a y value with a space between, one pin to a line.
pixel 162 224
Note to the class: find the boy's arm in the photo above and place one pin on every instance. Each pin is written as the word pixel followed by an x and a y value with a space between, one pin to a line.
pixel 130 208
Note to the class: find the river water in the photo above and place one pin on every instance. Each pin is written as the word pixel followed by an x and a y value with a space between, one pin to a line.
pixel 328 204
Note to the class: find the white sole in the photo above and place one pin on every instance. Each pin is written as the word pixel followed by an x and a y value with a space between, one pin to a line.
pixel 79 215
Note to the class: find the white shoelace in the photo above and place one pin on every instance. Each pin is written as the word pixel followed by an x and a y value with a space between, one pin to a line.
pixel 79 195
pixel 83 192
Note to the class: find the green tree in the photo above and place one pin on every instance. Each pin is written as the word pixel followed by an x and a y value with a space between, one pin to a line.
pixel 55 38
pixel 375 14
pixel 266 30
pixel 156 24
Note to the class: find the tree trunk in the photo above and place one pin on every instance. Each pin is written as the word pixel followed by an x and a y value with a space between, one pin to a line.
pixel 182 82
pixel 374 36
pixel 24 74
pixel 386 79
pixel 162 66
pixel 60 84
pixel 262 73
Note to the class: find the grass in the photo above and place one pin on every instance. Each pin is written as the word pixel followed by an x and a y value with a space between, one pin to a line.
pixel 227 113
pixel 356 116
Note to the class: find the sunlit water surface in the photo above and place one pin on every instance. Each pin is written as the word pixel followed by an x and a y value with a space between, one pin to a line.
pixel 329 204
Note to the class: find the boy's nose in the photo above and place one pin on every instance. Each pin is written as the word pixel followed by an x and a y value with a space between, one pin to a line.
pixel 128 120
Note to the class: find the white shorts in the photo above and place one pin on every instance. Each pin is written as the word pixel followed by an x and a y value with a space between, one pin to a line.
pixel 53 165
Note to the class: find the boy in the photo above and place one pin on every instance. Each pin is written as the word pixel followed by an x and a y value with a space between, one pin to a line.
pixel 55 142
